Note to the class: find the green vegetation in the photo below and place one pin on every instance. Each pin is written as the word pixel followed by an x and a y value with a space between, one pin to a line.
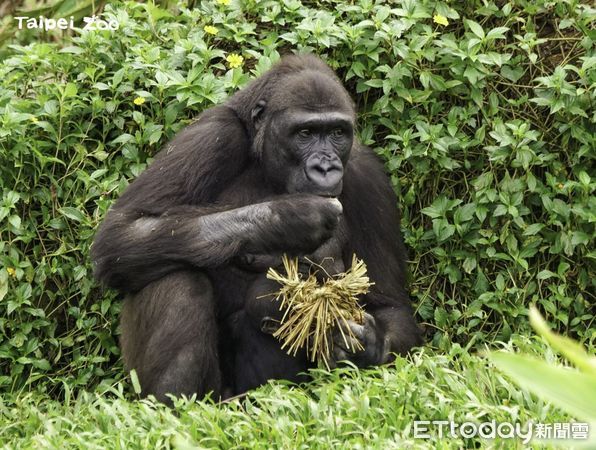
pixel 482 110
pixel 347 408
pixel 574 391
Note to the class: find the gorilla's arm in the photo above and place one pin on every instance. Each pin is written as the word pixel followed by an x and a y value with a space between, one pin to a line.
pixel 133 249
pixel 159 224
pixel 372 218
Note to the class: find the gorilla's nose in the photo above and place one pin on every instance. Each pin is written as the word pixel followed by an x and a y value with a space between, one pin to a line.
pixel 326 173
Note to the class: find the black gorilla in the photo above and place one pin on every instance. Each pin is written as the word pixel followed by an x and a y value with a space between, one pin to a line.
pixel 274 170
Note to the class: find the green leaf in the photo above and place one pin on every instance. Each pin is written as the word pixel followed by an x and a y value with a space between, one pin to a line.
pixel 3 213
pixel 101 86
pixel 15 221
pixel 72 49
pixel 469 264
pixel 41 364
pixel 136 385
pixel 464 213
pixel 512 73
pixel 533 229
pixel 584 178
pixel 70 90
pixel 154 137
pixel 573 391
pixel 72 213
pixel 123 139
pixel 3 283
pixel 374 83
pixel 51 107
pixel 497 33
pixel 475 28
pixel 567 347
pixel 545 275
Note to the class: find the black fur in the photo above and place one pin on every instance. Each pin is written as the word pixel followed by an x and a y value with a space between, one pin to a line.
pixel 191 238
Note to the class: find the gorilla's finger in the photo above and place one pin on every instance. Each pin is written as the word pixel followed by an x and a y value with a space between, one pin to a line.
pixel 339 354
pixel 349 343
pixel 343 339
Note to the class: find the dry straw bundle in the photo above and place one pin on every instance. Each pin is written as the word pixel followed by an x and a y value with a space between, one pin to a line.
pixel 313 309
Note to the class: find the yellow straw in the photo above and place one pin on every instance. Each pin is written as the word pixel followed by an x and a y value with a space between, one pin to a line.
pixel 312 310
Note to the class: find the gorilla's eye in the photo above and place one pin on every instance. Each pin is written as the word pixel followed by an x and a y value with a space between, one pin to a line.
pixel 337 133
pixel 305 132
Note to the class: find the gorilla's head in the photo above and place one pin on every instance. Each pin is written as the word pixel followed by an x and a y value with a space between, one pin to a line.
pixel 302 125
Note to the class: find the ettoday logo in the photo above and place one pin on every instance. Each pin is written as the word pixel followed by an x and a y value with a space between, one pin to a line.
pixel 425 429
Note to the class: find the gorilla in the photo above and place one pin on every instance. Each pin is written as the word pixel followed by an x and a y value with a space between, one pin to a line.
pixel 274 170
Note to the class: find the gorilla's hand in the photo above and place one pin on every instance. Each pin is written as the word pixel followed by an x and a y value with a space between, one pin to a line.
pixel 297 223
pixel 369 335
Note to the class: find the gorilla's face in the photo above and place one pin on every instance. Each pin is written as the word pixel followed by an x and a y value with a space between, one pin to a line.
pixel 310 151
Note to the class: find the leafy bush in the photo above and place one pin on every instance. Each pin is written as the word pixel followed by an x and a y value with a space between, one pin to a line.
pixel 483 111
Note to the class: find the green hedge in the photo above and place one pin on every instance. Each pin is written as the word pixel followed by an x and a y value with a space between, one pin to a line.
pixel 483 111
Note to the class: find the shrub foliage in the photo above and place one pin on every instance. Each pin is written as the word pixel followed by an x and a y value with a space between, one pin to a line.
pixel 482 110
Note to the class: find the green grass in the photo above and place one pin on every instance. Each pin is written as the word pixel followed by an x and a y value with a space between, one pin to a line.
pixel 346 408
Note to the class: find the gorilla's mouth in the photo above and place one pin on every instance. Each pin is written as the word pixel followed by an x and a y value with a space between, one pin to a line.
pixel 323 188
pixel 324 176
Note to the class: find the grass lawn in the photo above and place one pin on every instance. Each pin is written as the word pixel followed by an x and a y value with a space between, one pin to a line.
pixel 343 409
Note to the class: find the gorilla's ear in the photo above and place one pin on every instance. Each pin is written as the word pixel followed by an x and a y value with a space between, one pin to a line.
pixel 257 112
